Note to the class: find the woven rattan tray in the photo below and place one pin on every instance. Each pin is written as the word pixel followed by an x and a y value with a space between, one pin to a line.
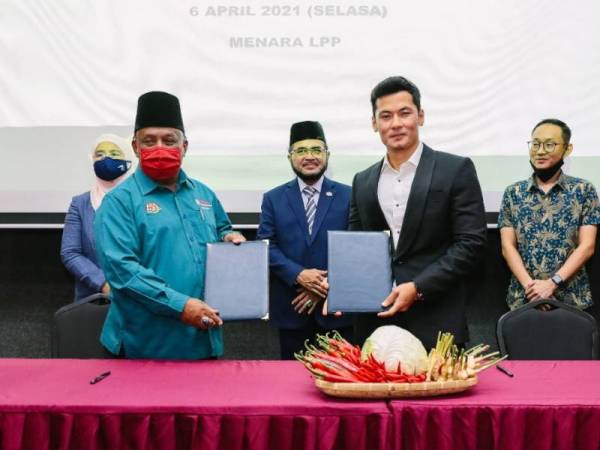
pixel 394 390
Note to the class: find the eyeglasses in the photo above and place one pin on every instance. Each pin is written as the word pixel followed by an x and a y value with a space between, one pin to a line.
pixel 549 146
pixel 304 151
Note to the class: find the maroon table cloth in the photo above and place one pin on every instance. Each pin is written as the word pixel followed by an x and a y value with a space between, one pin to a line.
pixel 50 404
pixel 547 405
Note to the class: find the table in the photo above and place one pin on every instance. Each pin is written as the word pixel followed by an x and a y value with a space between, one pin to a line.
pixel 50 404
pixel 547 405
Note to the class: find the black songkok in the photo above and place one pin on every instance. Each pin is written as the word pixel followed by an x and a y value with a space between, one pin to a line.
pixel 158 109
pixel 306 130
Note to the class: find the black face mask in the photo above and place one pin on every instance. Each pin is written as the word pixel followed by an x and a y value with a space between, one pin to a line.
pixel 546 174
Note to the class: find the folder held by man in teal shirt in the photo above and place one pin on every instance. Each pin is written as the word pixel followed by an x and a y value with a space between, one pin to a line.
pixel 151 236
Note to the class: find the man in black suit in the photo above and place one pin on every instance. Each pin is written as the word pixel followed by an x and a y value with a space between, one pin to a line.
pixel 432 204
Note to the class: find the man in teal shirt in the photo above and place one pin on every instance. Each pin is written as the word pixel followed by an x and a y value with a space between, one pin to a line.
pixel 151 234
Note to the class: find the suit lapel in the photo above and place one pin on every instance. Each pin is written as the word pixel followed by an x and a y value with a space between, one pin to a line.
pixel 295 200
pixel 416 201
pixel 325 198
pixel 375 214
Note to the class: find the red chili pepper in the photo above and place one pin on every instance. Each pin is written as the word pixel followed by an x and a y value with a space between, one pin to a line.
pixel 336 360
pixel 331 351
pixel 333 368
pixel 339 379
pixel 414 379
pixel 396 378
pixel 365 375
pixel 317 373
pixel 352 359
pixel 373 363
pixel 341 344
pixel 320 366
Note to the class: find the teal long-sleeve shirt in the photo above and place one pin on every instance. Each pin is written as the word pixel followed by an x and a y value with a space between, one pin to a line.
pixel 151 244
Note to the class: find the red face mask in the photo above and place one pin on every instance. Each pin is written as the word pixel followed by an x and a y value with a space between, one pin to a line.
pixel 161 163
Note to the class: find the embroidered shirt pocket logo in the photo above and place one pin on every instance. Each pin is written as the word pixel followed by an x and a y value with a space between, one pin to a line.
pixel 152 208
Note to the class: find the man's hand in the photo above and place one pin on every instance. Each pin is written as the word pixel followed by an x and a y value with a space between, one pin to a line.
pixel 401 298
pixel 540 289
pixel 235 238
pixel 306 301
pixel 198 314
pixel 324 310
pixel 105 289
pixel 312 280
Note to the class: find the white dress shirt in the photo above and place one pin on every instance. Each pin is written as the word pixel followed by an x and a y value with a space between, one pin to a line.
pixel 317 186
pixel 394 188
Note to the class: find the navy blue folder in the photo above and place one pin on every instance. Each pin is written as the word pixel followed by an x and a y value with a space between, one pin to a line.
pixel 359 270
pixel 237 279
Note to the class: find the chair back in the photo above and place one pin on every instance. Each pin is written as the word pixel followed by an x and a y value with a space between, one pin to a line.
pixel 563 332
pixel 77 328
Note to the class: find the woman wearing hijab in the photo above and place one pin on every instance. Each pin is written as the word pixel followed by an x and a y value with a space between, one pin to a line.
pixel 111 161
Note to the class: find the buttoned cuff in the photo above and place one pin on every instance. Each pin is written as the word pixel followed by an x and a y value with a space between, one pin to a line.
pixel 177 301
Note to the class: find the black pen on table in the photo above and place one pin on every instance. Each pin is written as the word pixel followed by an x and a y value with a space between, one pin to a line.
pixel 100 377
pixel 505 371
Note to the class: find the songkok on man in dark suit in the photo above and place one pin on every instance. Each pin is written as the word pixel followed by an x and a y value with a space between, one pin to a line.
pixel 306 130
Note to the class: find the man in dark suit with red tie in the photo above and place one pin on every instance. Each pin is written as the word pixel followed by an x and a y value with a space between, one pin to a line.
pixel 295 217
pixel 431 202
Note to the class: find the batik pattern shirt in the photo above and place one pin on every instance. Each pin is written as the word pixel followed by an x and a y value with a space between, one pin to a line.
pixel 547 230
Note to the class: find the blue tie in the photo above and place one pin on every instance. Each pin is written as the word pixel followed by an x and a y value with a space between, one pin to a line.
pixel 311 207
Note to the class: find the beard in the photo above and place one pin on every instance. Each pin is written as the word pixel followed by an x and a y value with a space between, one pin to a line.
pixel 310 178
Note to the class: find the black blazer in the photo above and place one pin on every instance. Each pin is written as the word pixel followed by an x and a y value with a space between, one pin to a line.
pixel 443 238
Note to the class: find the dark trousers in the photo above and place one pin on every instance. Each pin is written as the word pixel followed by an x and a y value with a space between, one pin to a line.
pixel 292 341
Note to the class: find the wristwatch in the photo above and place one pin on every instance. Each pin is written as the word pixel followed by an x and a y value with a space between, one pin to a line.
pixel 420 295
pixel 557 280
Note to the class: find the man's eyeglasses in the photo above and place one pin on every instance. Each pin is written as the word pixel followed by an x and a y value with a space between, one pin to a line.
pixel 305 151
pixel 549 146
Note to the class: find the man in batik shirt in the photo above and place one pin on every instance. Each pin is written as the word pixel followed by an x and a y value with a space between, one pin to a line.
pixel 548 225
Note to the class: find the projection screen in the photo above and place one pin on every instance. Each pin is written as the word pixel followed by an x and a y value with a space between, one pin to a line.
pixel 245 71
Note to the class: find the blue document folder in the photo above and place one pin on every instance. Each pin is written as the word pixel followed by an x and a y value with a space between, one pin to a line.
pixel 237 279
pixel 359 270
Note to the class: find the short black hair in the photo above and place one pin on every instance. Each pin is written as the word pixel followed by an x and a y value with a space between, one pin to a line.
pixel 391 85
pixel 564 128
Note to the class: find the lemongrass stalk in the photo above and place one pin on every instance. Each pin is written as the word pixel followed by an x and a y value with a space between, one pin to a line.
pixel 481 349
pixel 479 359
pixel 472 349
pixel 490 364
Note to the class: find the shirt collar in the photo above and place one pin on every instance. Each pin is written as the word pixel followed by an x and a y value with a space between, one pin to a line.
pixel 413 160
pixel 147 184
pixel 317 186
pixel 561 182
